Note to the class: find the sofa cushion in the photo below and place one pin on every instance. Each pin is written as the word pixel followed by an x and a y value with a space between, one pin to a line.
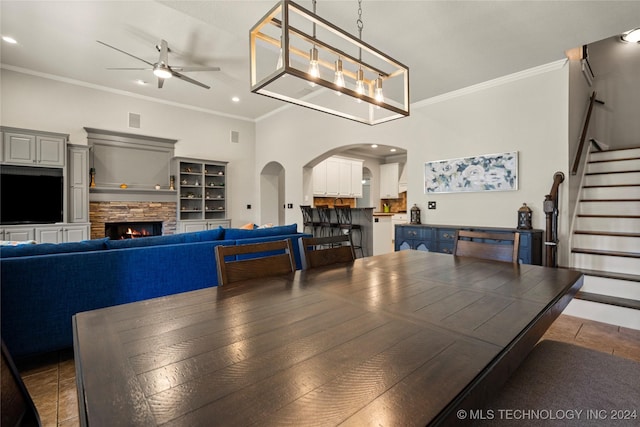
pixel 53 248
pixel 206 236
pixel 282 230
pixel 169 239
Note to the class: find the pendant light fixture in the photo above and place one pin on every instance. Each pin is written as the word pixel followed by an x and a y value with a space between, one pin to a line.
pixel 325 60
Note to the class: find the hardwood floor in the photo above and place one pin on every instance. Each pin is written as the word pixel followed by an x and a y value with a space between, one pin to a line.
pixel 51 380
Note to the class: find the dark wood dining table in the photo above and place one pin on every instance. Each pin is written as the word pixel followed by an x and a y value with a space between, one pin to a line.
pixel 408 338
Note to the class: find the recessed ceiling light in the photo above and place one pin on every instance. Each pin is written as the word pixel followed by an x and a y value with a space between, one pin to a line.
pixel 393 150
pixel 235 99
pixel 374 145
pixel 632 36
pixel 141 82
pixel 9 39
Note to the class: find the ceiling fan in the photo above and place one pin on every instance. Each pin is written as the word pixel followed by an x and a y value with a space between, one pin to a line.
pixel 162 69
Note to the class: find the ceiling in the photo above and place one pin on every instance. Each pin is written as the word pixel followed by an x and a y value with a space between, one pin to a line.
pixel 448 45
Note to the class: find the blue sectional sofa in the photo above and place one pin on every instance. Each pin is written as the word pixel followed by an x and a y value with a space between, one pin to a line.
pixel 44 285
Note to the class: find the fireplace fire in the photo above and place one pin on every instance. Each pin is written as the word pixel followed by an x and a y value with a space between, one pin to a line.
pixel 132 230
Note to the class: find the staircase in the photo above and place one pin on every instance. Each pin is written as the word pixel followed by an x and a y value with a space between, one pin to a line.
pixel 606 239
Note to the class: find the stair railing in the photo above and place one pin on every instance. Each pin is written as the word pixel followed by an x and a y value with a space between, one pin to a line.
pixel 583 136
pixel 551 211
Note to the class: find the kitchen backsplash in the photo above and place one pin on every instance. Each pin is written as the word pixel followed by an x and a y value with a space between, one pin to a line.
pixel 395 205
pixel 331 201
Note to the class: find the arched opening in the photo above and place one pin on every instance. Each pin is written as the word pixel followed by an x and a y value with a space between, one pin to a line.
pixel 272 194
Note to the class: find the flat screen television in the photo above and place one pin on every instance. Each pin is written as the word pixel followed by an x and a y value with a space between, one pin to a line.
pixel 30 195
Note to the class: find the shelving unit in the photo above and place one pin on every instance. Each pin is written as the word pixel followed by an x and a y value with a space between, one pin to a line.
pixel 202 192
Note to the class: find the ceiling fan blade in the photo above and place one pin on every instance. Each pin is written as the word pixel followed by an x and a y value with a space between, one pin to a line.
pixel 160 83
pixel 136 69
pixel 126 53
pixel 187 69
pixel 189 79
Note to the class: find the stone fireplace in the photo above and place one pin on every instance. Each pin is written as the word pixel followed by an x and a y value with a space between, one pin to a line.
pixel 101 213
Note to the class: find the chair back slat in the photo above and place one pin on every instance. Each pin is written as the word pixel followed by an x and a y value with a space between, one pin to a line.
pixel 251 261
pixel 489 246
pixel 17 406
pixel 320 251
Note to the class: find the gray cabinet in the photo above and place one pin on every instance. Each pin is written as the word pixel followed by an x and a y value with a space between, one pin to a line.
pixel 191 226
pixel 61 233
pixel 202 190
pixel 441 238
pixel 23 147
pixel 78 180
pixel 17 233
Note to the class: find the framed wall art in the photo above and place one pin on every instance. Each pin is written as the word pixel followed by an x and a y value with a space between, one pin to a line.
pixel 489 172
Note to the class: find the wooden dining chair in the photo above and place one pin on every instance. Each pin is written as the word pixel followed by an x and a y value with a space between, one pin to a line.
pixel 254 260
pixel 487 245
pixel 319 251
pixel 17 407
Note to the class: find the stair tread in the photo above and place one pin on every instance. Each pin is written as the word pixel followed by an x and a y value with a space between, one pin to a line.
pixel 610 275
pixel 607 233
pixel 611 185
pixel 614 160
pixel 607 253
pixel 612 172
pixel 607 216
pixel 610 200
pixel 606 299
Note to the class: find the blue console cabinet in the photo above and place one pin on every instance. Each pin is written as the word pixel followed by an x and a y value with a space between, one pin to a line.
pixel 440 238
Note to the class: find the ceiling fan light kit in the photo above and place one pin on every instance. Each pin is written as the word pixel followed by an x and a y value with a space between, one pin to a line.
pixel 298 57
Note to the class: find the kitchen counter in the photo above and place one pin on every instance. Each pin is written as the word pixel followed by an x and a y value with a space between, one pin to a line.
pixel 362 217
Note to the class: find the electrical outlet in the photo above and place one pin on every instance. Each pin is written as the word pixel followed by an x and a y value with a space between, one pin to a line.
pixel 431 205
pixel 248 206
pixel 290 206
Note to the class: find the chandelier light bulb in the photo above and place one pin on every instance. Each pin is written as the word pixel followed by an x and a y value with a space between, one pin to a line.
pixel 339 77
pixel 360 82
pixel 378 92
pixel 314 71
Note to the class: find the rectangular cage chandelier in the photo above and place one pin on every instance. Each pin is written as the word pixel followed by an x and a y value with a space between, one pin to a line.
pixel 298 57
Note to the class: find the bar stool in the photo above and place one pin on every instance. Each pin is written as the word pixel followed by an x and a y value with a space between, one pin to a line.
pixel 326 227
pixel 346 225
pixel 307 220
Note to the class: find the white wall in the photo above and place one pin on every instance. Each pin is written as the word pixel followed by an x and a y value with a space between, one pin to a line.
pixel 527 113
pixel 42 104
pixel 617 69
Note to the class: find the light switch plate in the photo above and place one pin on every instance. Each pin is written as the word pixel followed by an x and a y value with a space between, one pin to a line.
pixel 431 205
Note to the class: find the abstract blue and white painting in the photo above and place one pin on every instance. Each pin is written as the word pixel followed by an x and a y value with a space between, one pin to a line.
pixel 489 172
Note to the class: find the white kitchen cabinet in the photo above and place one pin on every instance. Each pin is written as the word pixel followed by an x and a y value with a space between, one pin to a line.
pixel 389 180
pixel 338 177
pixel 403 182
pixel 356 178
pixel 320 179
pixel 382 230
pixel 333 176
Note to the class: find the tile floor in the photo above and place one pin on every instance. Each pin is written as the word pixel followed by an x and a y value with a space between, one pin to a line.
pixel 51 380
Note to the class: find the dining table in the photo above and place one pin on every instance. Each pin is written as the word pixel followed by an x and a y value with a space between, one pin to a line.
pixel 408 338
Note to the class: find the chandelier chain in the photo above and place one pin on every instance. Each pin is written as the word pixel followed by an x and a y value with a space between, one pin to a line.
pixel 359 22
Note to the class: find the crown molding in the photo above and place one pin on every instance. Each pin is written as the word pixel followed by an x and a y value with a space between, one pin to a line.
pixel 121 92
pixel 542 69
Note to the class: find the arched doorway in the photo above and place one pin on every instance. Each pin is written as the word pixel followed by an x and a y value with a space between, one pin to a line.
pixel 272 198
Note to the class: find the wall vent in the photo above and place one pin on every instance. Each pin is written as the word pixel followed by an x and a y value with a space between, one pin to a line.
pixel 134 120
pixel 235 136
